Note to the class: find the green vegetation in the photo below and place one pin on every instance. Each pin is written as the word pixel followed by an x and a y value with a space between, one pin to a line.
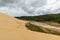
pixel 52 24
pixel 47 17
pixel 34 28
pixel 51 19
pixel 40 29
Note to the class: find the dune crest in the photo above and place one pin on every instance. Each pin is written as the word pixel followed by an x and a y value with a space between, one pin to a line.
pixel 14 29
pixel 9 22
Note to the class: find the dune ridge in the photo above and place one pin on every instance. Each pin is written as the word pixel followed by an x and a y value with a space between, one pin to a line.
pixel 14 29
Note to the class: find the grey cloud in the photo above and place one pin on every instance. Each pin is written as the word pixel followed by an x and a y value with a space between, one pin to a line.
pixel 28 7
pixel 5 2
pixel 39 3
pixel 22 4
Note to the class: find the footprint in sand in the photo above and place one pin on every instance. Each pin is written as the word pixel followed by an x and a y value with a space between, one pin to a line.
pixel 19 24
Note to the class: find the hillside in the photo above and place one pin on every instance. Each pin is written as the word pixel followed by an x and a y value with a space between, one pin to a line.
pixel 14 29
pixel 47 17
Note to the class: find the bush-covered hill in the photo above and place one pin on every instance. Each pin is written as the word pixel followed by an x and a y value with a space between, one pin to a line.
pixel 47 17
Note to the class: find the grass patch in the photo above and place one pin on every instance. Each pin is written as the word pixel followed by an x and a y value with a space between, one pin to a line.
pixel 33 27
pixel 40 29
pixel 52 24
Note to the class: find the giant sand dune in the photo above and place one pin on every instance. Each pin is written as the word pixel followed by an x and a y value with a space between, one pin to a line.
pixel 14 29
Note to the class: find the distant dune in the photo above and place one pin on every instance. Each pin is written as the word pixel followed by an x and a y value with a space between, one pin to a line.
pixel 14 29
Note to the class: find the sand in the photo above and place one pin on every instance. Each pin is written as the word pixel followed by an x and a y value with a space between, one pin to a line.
pixel 14 29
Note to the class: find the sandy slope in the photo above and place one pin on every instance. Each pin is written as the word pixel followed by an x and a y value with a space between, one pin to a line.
pixel 14 29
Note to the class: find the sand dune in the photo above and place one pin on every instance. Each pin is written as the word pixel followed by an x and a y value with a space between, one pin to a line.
pixel 14 29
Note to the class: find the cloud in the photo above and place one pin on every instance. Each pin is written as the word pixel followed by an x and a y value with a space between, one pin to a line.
pixel 28 7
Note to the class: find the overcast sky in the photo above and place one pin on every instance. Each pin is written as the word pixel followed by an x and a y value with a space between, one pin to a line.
pixel 28 7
